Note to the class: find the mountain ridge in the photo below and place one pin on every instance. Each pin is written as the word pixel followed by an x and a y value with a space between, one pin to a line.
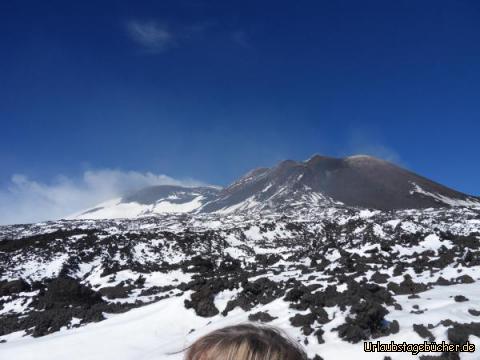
pixel 355 181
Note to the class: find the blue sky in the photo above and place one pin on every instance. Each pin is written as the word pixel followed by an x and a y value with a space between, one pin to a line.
pixel 207 90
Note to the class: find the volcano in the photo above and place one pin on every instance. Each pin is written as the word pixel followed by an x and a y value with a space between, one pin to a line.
pixel 359 181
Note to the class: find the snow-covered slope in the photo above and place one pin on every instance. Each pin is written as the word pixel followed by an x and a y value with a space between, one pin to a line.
pixel 331 277
pixel 150 201
pixel 156 332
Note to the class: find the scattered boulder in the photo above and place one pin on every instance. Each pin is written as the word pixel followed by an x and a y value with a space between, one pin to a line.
pixel 267 259
pixel 302 320
pixel 423 332
pixel 261 291
pixel 66 291
pixel 443 282
pixel 261 316
pixel 368 322
pixel 13 287
pixel 202 301
pixel 459 333
pixel 319 335
pixel 465 279
pixel 407 286
pixel 115 292
pixel 379 278
pixel 474 312
pixel 460 298
pixel 198 264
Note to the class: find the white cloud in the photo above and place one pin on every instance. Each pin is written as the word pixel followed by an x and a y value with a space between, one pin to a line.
pixel 25 200
pixel 152 36
pixel 365 142
pixel 377 150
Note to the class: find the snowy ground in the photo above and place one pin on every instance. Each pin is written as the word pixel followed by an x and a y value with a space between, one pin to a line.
pixel 203 272
pixel 157 332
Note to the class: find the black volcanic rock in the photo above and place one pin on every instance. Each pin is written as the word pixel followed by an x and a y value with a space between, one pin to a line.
pixel 261 316
pixel 423 332
pixel 65 291
pixel 13 287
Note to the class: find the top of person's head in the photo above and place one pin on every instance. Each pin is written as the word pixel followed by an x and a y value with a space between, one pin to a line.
pixel 245 342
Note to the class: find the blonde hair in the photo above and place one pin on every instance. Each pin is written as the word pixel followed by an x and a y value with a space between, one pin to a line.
pixel 245 342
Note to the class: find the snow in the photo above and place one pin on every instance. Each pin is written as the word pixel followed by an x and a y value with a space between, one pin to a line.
pixel 17 305
pixel 393 223
pixel 409 226
pixel 36 269
pixel 431 242
pixel 444 199
pixel 253 233
pixel 161 329
pixel 267 187
pixel 168 207
pixel 116 209
pixel 249 203
pixel 365 214
pixel 156 332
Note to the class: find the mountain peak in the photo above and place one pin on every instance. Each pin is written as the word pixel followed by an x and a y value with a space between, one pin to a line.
pixel 359 180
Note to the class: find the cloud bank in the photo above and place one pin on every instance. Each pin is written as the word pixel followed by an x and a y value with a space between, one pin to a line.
pixel 24 200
